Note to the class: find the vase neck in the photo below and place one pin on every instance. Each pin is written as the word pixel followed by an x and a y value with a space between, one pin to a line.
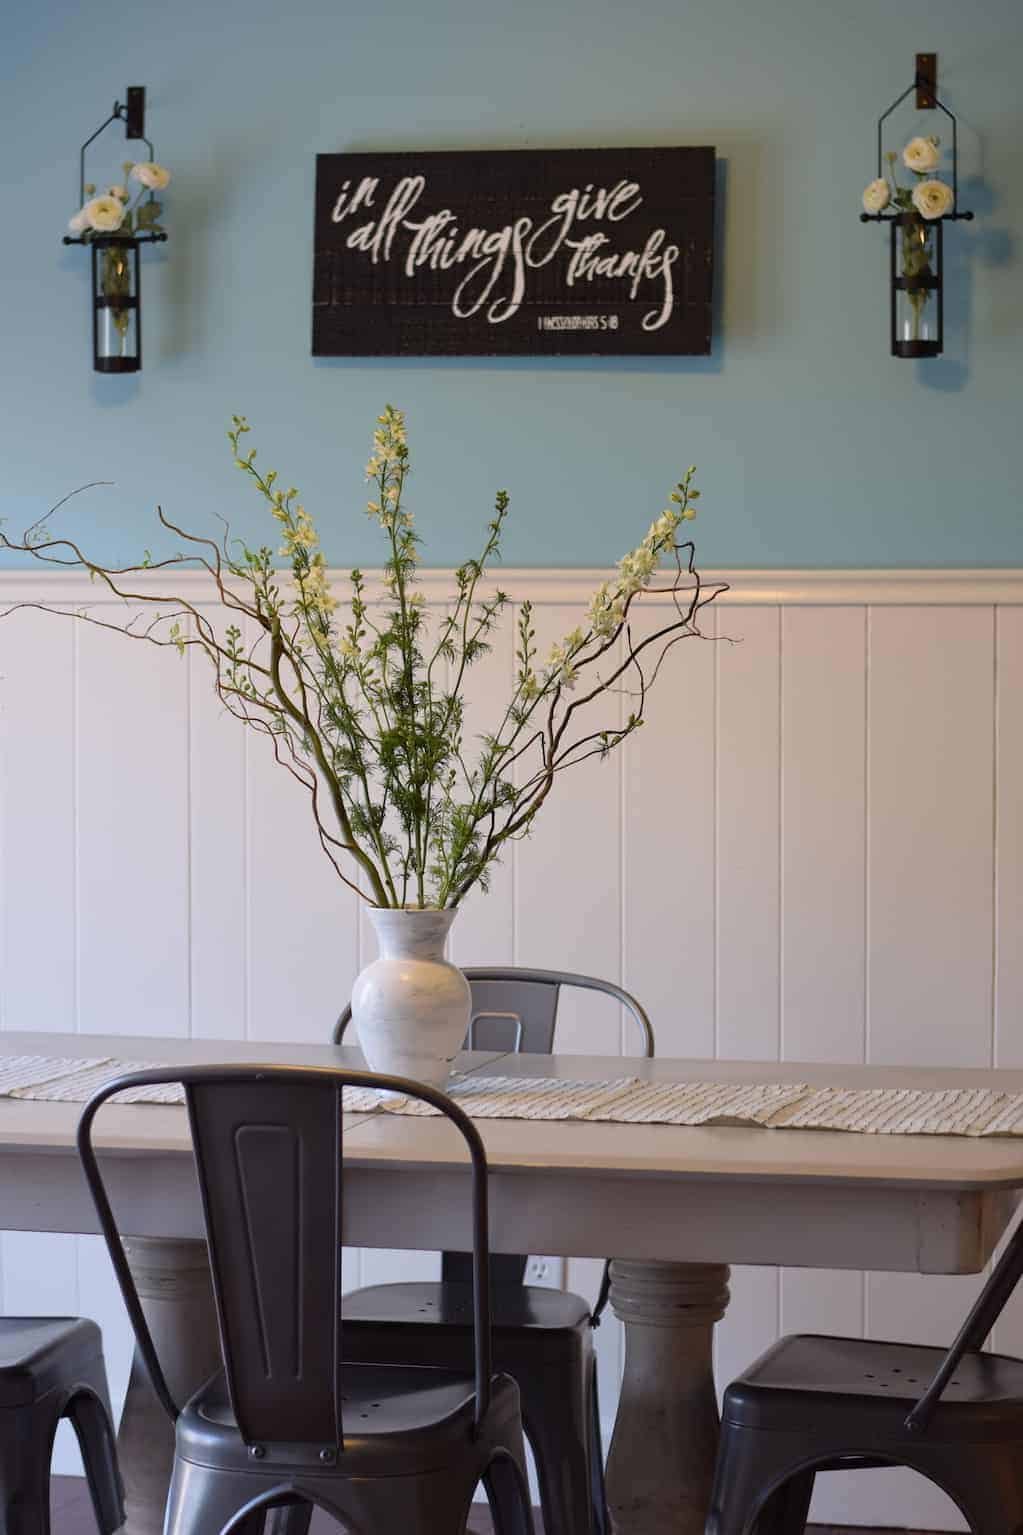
pixel 411 934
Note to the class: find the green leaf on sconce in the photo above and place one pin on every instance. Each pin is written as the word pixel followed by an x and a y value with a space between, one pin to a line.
pixel 147 215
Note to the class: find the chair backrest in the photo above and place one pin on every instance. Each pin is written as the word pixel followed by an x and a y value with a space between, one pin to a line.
pixel 269 1158
pixel 973 1334
pixel 515 1009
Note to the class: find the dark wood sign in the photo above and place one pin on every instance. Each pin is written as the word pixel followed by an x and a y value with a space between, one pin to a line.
pixel 564 251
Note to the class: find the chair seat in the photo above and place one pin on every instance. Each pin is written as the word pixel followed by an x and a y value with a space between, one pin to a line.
pixel 397 1420
pixel 807 1379
pixel 39 1353
pixel 447 1305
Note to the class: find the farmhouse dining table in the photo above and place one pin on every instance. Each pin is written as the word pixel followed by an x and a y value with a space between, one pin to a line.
pixel 676 1205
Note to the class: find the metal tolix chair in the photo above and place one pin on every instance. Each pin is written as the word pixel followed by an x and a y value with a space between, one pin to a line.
pixel 286 1426
pixel 812 1404
pixel 543 1337
pixel 52 1368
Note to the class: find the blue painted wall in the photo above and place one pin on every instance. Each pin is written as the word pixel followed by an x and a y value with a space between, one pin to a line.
pixel 813 446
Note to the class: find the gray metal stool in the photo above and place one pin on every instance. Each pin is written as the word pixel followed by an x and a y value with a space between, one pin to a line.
pixel 286 1425
pixel 812 1404
pixel 52 1368
pixel 541 1337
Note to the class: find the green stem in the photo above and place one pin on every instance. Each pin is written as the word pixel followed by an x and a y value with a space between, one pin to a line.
pixel 303 721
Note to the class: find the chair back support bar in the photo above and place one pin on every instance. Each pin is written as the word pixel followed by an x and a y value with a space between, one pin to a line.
pixel 515 1008
pixel 269 1157
pixel 973 1334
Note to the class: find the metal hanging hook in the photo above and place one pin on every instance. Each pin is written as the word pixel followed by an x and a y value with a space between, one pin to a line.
pixel 132 113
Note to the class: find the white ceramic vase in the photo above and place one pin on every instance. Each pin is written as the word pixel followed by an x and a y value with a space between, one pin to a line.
pixel 410 1007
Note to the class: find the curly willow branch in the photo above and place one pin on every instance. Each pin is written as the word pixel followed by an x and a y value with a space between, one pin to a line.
pixel 364 714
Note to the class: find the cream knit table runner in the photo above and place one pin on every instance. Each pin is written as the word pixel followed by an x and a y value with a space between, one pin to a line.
pixel 620 1100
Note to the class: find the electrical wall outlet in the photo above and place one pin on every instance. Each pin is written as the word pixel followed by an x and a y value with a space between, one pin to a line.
pixel 548 1272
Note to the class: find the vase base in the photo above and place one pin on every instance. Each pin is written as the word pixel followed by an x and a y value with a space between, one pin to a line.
pixel 434 1073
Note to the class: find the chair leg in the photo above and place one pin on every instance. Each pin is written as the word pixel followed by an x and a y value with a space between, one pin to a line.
pixel 560 1441
pixel 558 1413
pixel 785 1512
pixel 598 1491
pixel 206 1501
pixel 987 1484
pixel 90 1418
pixel 747 1463
pixel 291 1520
pixel 26 1444
pixel 507 1490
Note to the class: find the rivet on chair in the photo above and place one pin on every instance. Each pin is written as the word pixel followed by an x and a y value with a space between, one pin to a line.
pixel 256 1451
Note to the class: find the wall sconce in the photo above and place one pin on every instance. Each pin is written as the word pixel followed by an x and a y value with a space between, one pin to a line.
pixel 115 226
pixel 917 215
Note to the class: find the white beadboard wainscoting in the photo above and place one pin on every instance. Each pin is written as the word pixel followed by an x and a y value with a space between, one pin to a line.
pixel 812 850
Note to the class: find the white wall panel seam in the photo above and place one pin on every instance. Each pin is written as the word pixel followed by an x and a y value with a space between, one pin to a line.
pixel 996 706
pixel 76 862
pixel 189 850
pixel 780 1047
pixel 865 1032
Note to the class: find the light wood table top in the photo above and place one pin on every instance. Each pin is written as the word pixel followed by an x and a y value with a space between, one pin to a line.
pixel 819 1198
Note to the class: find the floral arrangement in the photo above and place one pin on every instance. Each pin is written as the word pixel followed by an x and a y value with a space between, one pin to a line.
pixel 114 212
pixel 919 205
pixel 928 197
pixel 362 702
pixel 123 210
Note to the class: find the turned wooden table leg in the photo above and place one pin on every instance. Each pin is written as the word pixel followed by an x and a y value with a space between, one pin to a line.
pixel 173 1280
pixel 661 1461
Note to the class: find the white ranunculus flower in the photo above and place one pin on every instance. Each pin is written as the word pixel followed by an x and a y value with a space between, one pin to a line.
pixel 121 193
pixel 932 199
pixel 922 155
pixel 104 214
pixel 78 222
pixel 876 196
pixel 151 175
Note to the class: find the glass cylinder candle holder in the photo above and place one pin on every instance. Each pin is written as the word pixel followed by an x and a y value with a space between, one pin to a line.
pixel 916 292
pixel 116 312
